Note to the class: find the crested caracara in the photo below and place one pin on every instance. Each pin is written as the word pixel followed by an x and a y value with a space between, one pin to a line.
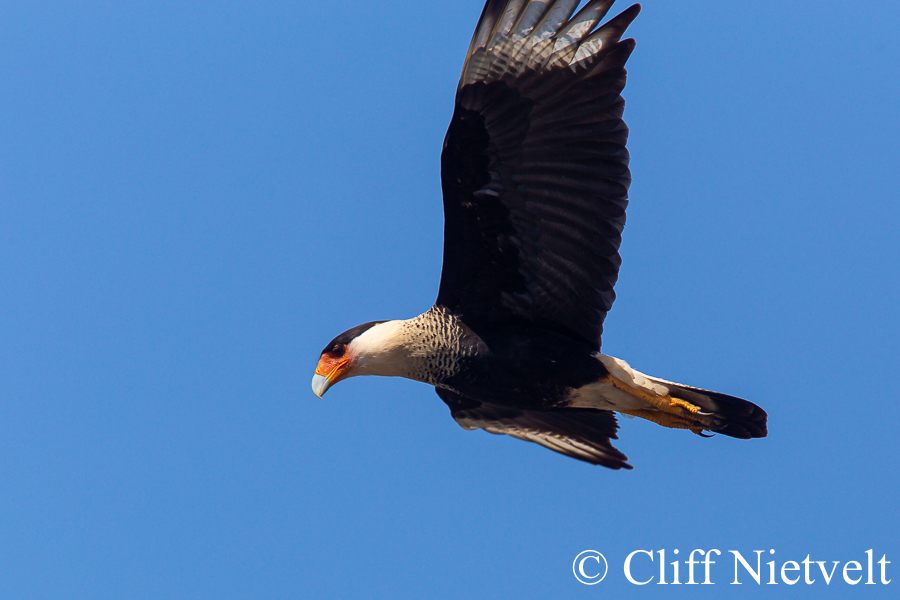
pixel 535 181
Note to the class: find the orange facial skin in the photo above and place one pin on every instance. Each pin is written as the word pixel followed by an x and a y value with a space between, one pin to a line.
pixel 333 365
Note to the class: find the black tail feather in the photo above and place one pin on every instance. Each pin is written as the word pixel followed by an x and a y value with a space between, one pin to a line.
pixel 731 416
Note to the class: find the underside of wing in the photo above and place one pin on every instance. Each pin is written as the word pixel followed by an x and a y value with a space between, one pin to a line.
pixel 534 168
pixel 583 434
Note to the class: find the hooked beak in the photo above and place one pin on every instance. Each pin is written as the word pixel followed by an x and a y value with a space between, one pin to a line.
pixel 320 385
pixel 327 374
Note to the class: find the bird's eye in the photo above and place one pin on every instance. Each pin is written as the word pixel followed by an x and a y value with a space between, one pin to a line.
pixel 338 350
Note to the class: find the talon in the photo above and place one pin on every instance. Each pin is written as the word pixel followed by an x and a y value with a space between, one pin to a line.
pixel 669 420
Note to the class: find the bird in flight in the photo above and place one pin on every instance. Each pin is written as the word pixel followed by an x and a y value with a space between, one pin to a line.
pixel 535 177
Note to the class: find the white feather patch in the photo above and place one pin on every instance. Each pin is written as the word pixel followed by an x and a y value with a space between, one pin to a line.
pixel 609 397
pixel 620 369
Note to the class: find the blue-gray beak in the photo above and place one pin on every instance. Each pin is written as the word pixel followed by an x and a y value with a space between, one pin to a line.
pixel 320 385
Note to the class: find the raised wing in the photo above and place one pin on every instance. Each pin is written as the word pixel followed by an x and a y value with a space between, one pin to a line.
pixel 534 168
pixel 579 433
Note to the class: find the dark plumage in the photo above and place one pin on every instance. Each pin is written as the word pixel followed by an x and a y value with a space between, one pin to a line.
pixel 535 179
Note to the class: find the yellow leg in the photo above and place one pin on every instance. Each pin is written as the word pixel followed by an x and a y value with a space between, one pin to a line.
pixel 665 419
pixel 666 404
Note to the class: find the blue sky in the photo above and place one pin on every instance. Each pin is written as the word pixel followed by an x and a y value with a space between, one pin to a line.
pixel 196 197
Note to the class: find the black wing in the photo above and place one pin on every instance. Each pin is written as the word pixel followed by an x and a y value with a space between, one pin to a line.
pixel 534 168
pixel 576 432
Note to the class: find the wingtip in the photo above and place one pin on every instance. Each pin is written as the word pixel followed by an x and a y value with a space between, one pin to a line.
pixel 629 14
pixel 623 465
pixel 619 466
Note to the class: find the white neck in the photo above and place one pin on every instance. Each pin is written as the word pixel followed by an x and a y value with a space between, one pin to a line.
pixel 424 348
pixel 386 349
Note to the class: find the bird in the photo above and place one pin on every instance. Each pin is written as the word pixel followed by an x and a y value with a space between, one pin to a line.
pixel 535 177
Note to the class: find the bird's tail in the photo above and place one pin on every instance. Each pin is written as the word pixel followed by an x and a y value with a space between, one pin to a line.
pixel 725 414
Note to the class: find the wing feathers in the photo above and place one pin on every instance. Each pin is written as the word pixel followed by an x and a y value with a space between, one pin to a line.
pixel 485 28
pixel 534 170
pixel 585 21
pixel 583 434
pixel 531 16
pixel 519 34
pixel 508 20
pixel 558 14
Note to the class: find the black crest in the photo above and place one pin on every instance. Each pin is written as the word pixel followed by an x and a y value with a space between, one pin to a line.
pixel 350 335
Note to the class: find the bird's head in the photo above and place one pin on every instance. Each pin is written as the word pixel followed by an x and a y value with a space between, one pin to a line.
pixel 374 348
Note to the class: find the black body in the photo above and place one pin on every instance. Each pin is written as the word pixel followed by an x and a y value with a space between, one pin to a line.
pixel 521 365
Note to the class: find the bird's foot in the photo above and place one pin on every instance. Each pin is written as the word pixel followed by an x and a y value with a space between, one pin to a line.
pixel 665 404
pixel 667 420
